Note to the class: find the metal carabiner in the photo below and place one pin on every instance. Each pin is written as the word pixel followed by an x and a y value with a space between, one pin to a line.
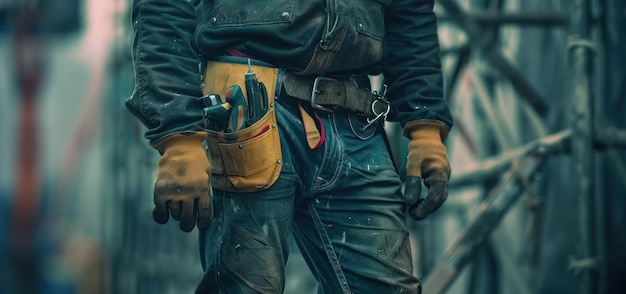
pixel 378 116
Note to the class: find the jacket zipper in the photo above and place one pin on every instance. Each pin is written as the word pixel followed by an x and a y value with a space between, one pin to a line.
pixel 331 23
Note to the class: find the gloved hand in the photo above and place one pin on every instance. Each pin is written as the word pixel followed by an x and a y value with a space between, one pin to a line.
pixel 427 160
pixel 183 187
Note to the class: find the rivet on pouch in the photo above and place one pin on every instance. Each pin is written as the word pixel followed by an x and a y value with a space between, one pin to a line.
pixel 240 146
pixel 273 125
pixel 279 161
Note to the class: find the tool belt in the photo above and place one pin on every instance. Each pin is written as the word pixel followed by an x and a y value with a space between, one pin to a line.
pixel 250 159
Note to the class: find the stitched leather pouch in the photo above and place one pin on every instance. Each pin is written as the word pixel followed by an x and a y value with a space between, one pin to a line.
pixel 250 159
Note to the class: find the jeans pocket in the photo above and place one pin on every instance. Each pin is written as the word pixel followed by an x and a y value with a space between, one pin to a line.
pixel 359 127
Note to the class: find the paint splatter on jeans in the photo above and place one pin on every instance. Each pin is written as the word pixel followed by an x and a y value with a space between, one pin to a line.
pixel 342 203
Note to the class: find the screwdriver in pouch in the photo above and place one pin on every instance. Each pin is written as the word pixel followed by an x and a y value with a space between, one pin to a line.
pixel 257 96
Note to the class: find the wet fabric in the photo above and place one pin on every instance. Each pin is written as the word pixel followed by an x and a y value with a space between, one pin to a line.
pixel 172 38
pixel 341 202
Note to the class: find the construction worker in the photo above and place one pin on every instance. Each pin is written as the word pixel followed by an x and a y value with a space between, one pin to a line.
pixel 304 152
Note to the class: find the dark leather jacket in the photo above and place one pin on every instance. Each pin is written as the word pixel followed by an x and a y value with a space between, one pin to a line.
pixel 173 37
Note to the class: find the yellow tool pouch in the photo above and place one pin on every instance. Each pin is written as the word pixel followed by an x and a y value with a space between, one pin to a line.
pixel 250 159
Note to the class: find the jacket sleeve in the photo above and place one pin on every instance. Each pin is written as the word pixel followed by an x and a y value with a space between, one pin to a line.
pixel 412 67
pixel 167 77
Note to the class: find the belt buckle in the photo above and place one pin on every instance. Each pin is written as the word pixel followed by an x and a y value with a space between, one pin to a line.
pixel 316 91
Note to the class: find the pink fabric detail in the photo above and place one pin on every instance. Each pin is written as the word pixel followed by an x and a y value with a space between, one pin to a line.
pixel 234 52
pixel 322 131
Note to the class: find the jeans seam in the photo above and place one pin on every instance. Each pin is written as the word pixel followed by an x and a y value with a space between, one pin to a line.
pixel 218 258
pixel 339 161
pixel 329 249
pixel 356 134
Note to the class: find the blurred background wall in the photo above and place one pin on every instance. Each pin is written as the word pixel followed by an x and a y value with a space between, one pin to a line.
pixel 537 201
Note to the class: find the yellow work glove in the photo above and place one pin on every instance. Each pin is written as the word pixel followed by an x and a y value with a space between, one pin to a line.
pixel 183 187
pixel 427 160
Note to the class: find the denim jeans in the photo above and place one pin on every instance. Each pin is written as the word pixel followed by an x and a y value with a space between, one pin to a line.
pixel 341 202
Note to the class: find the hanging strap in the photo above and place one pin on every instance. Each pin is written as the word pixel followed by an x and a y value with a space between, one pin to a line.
pixel 314 136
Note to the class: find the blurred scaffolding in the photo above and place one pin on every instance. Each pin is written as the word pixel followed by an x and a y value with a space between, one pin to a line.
pixel 537 89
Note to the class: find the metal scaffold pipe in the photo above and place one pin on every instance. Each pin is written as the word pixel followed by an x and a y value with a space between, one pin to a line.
pixel 493 167
pixel 513 183
pixel 482 222
pixel 581 49
pixel 475 32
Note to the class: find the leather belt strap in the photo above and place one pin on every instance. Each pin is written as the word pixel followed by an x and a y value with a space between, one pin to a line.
pixel 327 93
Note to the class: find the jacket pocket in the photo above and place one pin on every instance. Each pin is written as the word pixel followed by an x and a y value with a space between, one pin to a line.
pixel 239 13
pixel 371 19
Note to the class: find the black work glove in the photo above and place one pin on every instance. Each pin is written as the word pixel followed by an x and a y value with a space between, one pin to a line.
pixel 427 160
pixel 183 183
